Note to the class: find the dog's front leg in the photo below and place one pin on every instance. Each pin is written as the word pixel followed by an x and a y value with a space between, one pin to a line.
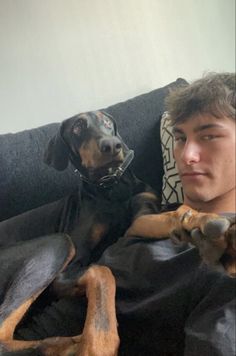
pixel 163 225
pixel 213 235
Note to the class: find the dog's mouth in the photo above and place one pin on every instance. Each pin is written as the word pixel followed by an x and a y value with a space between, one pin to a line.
pixel 108 169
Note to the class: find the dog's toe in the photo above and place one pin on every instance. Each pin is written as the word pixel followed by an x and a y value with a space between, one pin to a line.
pixel 213 229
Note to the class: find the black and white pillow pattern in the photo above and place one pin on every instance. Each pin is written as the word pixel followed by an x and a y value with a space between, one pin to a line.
pixel 172 191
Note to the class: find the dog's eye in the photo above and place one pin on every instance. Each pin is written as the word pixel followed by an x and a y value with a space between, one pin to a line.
pixel 80 125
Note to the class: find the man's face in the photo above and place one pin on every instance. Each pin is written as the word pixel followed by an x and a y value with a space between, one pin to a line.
pixel 205 156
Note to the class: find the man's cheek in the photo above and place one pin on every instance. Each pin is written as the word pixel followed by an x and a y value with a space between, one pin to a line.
pixel 176 155
pixel 177 159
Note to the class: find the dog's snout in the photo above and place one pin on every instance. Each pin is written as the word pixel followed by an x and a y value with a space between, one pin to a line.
pixel 110 145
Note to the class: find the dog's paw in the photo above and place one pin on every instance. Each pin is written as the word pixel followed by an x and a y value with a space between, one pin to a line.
pixel 231 232
pixel 205 225
pixel 211 248
pixel 215 228
pixel 217 244
pixel 215 239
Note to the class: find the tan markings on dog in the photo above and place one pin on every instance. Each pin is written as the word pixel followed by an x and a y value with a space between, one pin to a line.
pixel 160 225
pixel 60 346
pixel 53 346
pixel 71 254
pixel 101 320
pixel 8 326
pixel 98 231
pixel 154 225
pixel 229 260
pixel 100 336
pixel 149 195
pixel 17 345
pixel 229 263
pixel 90 154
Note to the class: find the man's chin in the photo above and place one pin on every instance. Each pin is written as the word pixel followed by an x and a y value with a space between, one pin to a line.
pixel 197 197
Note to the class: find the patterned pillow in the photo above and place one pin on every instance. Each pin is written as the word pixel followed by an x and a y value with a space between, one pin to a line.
pixel 172 191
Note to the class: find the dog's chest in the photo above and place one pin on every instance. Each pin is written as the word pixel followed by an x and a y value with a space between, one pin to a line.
pixel 103 211
pixel 103 216
pixel 99 224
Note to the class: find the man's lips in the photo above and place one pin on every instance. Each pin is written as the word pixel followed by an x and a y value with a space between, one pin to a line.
pixel 192 174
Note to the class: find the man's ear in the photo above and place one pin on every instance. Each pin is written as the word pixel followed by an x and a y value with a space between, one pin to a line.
pixel 56 154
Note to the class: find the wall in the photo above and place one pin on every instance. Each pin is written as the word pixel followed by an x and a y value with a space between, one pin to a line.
pixel 60 57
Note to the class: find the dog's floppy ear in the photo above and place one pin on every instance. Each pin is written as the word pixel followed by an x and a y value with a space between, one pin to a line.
pixel 56 154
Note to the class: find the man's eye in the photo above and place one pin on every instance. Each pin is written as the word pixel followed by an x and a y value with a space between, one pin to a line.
pixel 179 139
pixel 208 137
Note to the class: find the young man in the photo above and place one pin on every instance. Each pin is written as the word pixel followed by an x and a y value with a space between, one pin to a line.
pixel 168 301
pixel 204 128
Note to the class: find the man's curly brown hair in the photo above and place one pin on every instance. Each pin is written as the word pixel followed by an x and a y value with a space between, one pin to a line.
pixel 213 94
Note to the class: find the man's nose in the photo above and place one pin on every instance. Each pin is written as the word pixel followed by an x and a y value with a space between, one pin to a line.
pixel 191 153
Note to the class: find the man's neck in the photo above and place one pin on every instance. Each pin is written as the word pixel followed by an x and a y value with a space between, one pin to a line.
pixel 222 204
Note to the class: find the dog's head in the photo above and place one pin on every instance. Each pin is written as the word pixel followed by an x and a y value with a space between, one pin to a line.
pixel 91 142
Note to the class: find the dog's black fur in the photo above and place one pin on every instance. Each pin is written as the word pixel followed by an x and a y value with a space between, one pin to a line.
pixel 105 207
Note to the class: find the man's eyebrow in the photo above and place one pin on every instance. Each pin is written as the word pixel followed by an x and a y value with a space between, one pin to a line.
pixel 207 126
pixel 198 128
pixel 176 130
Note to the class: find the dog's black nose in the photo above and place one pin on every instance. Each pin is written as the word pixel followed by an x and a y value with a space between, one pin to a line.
pixel 110 145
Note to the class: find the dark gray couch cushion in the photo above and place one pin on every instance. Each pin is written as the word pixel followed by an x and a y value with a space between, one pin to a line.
pixel 26 182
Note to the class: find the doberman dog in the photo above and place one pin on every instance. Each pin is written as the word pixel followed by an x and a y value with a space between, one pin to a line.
pixel 58 245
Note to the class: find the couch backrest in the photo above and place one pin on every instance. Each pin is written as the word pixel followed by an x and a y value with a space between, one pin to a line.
pixel 26 182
